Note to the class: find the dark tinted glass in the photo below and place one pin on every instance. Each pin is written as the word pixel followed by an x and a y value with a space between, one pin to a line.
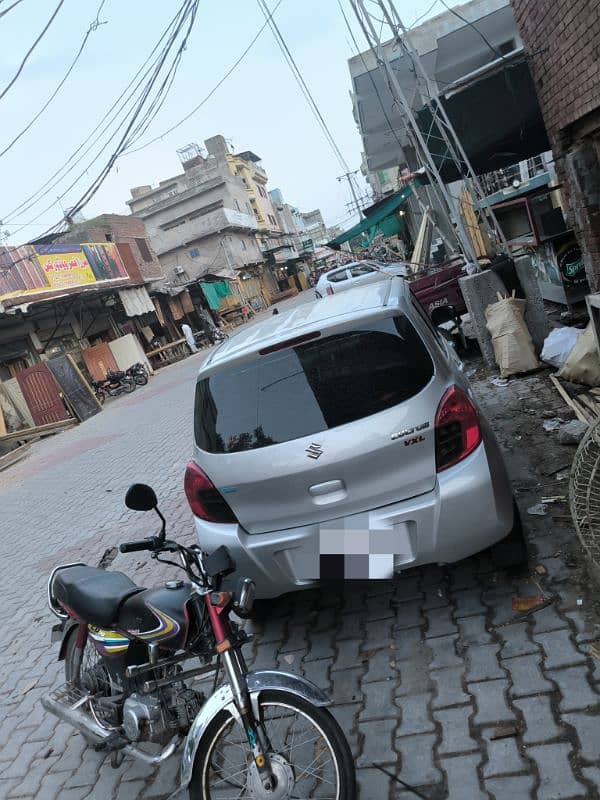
pixel 303 390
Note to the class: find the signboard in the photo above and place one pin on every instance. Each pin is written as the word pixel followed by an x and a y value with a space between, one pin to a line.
pixel 570 263
pixel 33 269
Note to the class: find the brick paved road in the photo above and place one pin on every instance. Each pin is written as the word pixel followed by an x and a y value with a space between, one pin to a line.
pixel 425 672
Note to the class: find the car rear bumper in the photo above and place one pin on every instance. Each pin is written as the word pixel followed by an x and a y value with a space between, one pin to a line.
pixel 470 508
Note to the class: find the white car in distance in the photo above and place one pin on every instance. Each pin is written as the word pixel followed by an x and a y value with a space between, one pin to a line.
pixel 357 273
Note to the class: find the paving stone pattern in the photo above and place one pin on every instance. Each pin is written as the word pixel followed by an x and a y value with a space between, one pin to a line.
pixel 431 674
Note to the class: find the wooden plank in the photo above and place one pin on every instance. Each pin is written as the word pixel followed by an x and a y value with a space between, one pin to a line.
pixel 569 400
pixel 27 433
pixel 15 455
pixel 2 423
pixel 585 400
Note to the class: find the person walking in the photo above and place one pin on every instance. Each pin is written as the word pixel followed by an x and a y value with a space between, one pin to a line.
pixel 189 337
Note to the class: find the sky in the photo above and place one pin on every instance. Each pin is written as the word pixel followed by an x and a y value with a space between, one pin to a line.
pixel 258 108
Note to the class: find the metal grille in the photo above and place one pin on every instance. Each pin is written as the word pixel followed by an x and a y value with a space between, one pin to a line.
pixel 69 695
pixel 584 492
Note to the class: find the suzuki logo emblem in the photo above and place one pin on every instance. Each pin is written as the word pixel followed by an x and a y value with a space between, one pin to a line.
pixel 314 451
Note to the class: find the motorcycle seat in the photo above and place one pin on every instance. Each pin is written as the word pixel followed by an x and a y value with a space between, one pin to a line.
pixel 94 594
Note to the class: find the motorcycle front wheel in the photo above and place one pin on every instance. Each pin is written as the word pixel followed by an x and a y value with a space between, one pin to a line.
pixel 140 378
pixel 309 755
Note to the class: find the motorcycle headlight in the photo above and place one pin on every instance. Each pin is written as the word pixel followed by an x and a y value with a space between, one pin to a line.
pixel 244 596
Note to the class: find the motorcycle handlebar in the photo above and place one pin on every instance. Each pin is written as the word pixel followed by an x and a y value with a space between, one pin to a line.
pixel 133 547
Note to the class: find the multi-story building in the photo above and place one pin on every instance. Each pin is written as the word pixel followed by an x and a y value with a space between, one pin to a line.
pixel 201 220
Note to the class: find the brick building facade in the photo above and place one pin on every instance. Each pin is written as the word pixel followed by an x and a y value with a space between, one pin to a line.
pixel 562 38
pixel 122 229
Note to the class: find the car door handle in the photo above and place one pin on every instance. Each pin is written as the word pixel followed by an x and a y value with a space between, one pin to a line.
pixel 328 492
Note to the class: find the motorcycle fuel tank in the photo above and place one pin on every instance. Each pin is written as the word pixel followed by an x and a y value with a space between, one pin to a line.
pixel 153 615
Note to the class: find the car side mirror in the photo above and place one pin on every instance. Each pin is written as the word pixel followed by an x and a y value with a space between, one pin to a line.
pixel 442 315
pixel 141 497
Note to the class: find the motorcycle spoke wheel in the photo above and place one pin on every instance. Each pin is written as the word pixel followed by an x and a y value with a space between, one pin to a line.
pixel 309 756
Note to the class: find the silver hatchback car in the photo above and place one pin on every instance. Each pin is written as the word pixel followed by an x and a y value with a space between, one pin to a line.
pixel 341 439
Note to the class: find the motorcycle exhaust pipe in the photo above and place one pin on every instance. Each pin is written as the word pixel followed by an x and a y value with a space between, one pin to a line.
pixel 74 716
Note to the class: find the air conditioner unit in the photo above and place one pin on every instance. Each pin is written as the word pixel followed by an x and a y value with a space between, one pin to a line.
pixel 178 270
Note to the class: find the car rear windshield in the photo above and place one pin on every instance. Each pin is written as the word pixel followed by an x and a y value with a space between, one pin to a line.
pixel 300 391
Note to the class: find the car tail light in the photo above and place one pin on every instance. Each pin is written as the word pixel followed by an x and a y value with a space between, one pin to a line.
pixel 329 290
pixel 205 500
pixel 457 431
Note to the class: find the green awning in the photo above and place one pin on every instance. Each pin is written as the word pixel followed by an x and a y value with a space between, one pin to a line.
pixel 383 219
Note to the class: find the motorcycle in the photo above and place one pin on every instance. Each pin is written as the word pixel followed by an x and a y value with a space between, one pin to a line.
pixel 264 734
pixel 114 384
pixel 139 373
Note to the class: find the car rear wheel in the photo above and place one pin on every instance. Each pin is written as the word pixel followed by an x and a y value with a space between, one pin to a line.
pixel 512 550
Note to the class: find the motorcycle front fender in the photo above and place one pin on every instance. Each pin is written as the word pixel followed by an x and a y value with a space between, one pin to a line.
pixel 222 699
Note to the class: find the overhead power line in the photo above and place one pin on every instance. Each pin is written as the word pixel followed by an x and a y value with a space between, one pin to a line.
pixel 494 50
pixel 32 48
pixel 147 98
pixel 130 130
pixel 303 86
pixel 10 8
pixel 212 91
pixel 94 25
pixel 112 114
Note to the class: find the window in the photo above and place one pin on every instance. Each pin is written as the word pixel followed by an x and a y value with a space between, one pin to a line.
pixel 336 277
pixel 237 205
pixel 109 237
pixel 360 269
pixel 303 390
pixel 144 249
pixel 242 244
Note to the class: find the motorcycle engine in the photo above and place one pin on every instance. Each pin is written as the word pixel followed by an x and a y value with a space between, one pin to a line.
pixel 153 718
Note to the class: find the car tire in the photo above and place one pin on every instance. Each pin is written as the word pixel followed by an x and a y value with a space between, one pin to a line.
pixel 512 551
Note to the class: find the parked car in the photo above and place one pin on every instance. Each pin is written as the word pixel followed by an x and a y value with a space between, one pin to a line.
pixel 357 273
pixel 346 420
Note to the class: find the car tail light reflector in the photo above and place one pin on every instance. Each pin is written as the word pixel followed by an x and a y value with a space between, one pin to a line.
pixel 204 498
pixel 329 290
pixel 457 430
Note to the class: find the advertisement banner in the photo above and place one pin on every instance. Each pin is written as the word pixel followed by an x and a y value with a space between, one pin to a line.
pixel 64 266
pixel 55 267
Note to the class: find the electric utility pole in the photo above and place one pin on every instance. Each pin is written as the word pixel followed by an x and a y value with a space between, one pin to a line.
pixel 438 132
pixel 355 204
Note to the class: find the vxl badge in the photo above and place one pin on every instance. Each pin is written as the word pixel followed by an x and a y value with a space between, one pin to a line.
pixel 314 451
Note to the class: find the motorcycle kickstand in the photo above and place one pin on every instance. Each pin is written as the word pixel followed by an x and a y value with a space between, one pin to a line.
pixel 116 758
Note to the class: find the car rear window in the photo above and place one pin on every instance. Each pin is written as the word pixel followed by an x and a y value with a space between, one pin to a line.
pixel 303 390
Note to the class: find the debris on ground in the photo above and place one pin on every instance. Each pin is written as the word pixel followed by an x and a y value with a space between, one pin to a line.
pixel 558 344
pixel 572 432
pixel 29 686
pixel 528 603
pixel 504 732
pixel 557 498
pixel 538 510
pixel 553 424
pixel 540 569
pixel 500 382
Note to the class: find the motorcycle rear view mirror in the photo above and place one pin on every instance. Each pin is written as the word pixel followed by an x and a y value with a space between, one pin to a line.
pixel 141 497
